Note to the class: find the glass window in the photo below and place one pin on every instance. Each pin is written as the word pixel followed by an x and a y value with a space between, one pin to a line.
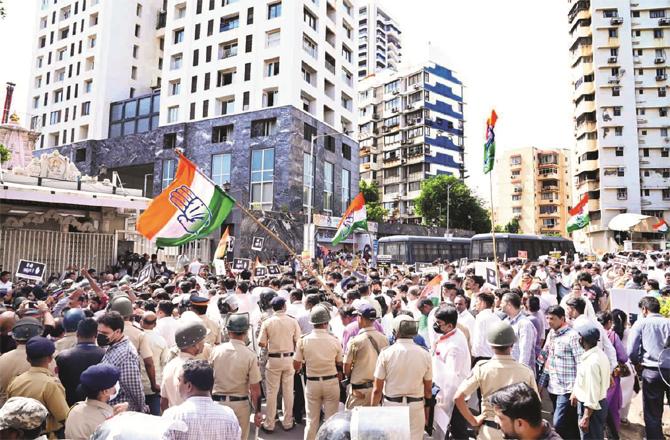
pixel 167 175
pixel 346 189
pixel 145 106
pixel 307 179
pixel 129 127
pixel 115 130
pixel 262 177
pixel 117 112
pixel 328 184
pixel 221 168
pixel 130 109
pixel 143 125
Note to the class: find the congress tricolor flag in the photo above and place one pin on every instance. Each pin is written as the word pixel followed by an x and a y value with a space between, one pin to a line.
pixel 433 288
pixel 356 218
pixel 191 207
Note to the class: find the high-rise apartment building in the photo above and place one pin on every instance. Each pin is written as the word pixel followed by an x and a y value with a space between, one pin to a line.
pixel 410 128
pixel 230 56
pixel 379 40
pixel 620 77
pixel 87 54
pixel 533 186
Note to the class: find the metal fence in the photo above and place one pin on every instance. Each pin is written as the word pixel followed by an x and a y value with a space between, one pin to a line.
pixel 58 250
pixel 140 245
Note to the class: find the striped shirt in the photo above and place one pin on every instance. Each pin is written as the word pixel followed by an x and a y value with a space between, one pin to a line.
pixel 205 419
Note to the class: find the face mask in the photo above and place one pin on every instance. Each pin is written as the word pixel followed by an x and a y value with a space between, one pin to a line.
pixel 116 391
pixel 437 328
pixel 103 340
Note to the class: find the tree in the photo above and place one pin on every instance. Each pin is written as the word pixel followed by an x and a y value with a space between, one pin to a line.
pixel 3 13
pixel 5 154
pixel 513 226
pixel 466 211
pixel 373 206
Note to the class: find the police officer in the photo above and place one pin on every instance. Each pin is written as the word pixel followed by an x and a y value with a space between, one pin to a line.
pixel 199 306
pixel 98 384
pixel 279 334
pixel 136 336
pixel 361 356
pixel 236 373
pixel 265 298
pixel 14 362
pixel 71 319
pixel 227 305
pixel 40 384
pixel 190 339
pixel 490 376
pixel 22 417
pixel 404 372
pixel 321 352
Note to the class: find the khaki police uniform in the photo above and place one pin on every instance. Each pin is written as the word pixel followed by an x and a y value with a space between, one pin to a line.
pixel 235 370
pixel 490 376
pixel 85 417
pixel 320 351
pixel 170 380
pixel 214 335
pixel 12 364
pixel 68 341
pixel 40 384
pixel 137 337
pixel 280 332
pixel 362 355
pixel 404 366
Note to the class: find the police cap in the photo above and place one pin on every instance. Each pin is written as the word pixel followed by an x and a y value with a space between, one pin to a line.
pixel 100 377
pixel 38 347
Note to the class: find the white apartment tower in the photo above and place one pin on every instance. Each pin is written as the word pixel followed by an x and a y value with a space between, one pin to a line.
pixel 622 156
pixel 87 54
pixel 379 40
pixel 231 56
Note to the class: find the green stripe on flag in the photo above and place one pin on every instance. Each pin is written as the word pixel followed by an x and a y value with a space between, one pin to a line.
pixel 220 205
pixel 578 221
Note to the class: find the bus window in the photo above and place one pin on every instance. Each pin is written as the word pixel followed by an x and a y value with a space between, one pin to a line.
pixel 502 247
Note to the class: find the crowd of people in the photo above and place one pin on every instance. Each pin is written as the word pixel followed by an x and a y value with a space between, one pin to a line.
pixel 224 355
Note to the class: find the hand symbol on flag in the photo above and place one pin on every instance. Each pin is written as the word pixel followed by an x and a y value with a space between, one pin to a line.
pixel 195 215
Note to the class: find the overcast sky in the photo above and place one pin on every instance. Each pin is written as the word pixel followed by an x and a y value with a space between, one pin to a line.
pixel 511 56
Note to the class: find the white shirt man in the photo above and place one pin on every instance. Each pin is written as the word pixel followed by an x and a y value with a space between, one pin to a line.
pixel 450 361
pixel 485 318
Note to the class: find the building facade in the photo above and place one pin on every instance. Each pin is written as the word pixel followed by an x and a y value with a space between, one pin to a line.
pixel 379 40
pixel 410 128
pixel 232 56
pixel 622 155
pixel 87 54
pixel 263 156
pixel 533 187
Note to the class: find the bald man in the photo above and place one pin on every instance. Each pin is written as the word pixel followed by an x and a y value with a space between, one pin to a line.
pixel 161 354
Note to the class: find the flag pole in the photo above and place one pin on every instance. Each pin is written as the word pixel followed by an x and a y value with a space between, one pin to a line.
pixel 493 233
pixel 291 252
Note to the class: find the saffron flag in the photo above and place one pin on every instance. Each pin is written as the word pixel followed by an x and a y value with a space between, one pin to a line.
pixel 432 289
pixel 355 218
pixel 191 207
pixel 222 248
pixel 580 215
pixel 490 144
pixel 661 226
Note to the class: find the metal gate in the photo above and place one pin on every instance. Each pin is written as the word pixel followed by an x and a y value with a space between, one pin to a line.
pixel 58 250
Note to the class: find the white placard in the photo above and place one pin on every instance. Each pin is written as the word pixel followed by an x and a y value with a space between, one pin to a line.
pixel 626 299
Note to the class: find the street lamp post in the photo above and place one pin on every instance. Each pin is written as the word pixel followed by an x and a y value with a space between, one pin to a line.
pixel 448 200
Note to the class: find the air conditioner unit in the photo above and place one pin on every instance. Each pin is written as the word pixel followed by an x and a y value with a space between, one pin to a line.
pixel 396 92
pixel 613 80
pixel 409 107
pixel 394 110
pixel 616 20
pixel 659 60
pixel 661 77
pixel 664 22
pixel 611 60
pixel 385 129
pixel 417 86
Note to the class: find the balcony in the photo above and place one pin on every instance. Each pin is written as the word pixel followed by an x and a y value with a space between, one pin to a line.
pixel 585 107
pixel 579 10
pixel 662 77
pixel 585 127
pixel 616 21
